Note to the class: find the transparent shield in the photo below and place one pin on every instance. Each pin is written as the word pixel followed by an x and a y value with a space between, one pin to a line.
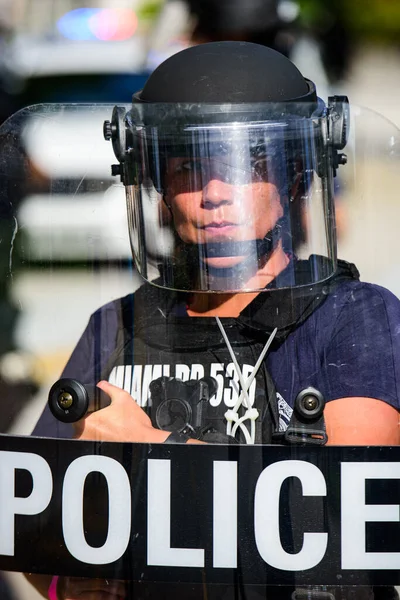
pixel 65 241
pixel 162 444
pixel 366 199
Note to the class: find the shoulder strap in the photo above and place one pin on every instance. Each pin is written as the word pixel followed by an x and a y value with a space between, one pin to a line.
pixel 286 309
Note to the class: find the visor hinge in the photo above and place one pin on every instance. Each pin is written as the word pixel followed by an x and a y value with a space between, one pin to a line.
pixel 339 119
pixel 115 131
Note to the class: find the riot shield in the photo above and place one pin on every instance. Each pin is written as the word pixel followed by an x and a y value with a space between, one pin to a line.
pixel 246 454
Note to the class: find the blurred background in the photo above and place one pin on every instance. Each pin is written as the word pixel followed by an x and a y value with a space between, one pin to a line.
pixel 64 247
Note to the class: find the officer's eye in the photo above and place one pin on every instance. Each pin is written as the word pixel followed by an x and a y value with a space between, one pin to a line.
pixel 188 166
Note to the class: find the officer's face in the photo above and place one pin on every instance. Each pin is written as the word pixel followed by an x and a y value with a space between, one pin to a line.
pixel 214 201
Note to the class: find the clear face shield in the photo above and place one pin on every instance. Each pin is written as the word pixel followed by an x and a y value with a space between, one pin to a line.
pixel 89 508
pixel 236 204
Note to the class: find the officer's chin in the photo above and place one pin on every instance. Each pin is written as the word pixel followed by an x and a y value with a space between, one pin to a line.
pixel 223 262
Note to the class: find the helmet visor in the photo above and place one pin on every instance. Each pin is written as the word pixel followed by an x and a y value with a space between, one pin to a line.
pixel 232 207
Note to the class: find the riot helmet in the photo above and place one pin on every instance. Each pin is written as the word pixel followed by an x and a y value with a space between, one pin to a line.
pixel 228 158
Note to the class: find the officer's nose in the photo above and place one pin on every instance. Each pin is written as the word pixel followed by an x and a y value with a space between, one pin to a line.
pixel 217 192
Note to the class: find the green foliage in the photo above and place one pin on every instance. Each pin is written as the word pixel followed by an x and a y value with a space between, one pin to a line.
pixel 378 19
pixel 149 10
pixel 368 19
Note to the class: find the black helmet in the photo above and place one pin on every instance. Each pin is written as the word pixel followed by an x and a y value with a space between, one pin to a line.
pixel 227 72
pixel 242 115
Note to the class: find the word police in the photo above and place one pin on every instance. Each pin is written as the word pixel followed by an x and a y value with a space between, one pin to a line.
pixel 226 513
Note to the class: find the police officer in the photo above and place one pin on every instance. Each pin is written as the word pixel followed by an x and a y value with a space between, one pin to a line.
pixel 230 150
pixel 228 158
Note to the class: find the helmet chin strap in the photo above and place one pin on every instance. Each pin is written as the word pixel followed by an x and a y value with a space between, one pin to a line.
pixel 256 251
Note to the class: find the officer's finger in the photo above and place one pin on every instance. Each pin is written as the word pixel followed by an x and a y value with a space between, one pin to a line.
pixel 116 394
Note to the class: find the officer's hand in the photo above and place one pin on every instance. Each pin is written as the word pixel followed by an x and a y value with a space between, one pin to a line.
pixel 81 588
pixel 122 421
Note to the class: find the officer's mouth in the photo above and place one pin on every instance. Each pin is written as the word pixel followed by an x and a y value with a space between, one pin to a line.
pixel 220 227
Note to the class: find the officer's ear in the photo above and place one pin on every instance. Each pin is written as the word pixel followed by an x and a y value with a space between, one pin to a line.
pixel 165 213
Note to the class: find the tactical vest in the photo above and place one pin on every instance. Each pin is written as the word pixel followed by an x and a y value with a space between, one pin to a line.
pixel 158 341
